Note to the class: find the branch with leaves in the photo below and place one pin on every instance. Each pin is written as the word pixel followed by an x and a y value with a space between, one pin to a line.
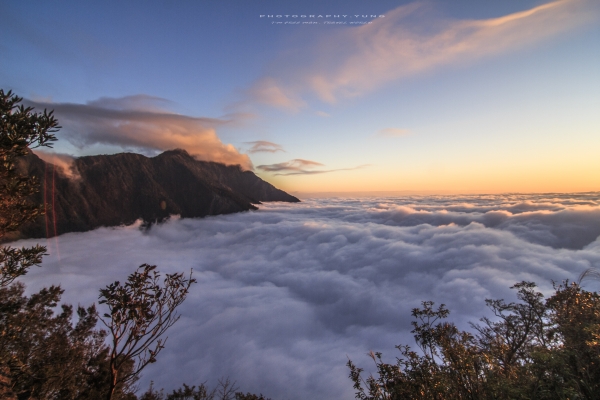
pixel 534 349
pixel 140 311
pixel 21 130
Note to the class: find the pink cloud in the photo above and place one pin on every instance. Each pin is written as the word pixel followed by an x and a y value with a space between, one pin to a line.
pixel 410 39
pixel 144 124
pixel 262 146
pixel 299 166
pixel 393 132
pixel 271 92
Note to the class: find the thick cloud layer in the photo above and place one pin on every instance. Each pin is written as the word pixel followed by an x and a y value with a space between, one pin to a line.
pixel 286 293
pixel 144 124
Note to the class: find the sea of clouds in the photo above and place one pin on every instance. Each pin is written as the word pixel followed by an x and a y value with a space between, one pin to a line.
pixel 286 294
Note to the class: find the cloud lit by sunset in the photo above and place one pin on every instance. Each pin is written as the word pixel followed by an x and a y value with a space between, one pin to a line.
pixel 432 96
pixel 411 39
pixel 139 123
pixel 362 156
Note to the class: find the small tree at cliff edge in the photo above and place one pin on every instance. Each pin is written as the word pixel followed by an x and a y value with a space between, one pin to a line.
pixel 43 355
pixel 140 312
pixel 20 131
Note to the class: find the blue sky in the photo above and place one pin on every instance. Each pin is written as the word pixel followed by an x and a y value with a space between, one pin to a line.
pixel 435 96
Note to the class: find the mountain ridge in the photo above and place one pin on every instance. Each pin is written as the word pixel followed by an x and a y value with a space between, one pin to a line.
pixel 119 189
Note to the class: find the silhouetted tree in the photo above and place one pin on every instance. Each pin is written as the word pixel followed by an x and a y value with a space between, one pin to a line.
pixel 20 131
pixel 140 311
pixel 225 390
pixel 46 356
pixel 532 349
pixel 250 396
pixel 42 354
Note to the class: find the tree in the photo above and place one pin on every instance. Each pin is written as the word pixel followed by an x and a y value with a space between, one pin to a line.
pixel 535 348
pixel 225 390
pixel 20 131
pixel 574 328
pixel 140 312
pixel 250 396
pixel 48 357
pixel 191 393
pixel 42 354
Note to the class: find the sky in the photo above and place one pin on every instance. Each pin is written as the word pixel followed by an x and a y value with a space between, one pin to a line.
pixel 359 97
pixel 435 96
pixel 286 294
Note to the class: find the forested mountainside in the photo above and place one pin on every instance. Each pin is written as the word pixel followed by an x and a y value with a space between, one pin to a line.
pixel 112 190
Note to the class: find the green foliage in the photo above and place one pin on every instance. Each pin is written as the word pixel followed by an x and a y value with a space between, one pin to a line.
pixel 20 130
pixel 42 354
pixel 140 311
pixel 250 396
pixel 190 393
pixel 532 349
pixel 15 262
pixel 45 356
pixel 152 393
pixel 225 390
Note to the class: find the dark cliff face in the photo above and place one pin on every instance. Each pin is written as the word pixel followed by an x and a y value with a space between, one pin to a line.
pixel 122 188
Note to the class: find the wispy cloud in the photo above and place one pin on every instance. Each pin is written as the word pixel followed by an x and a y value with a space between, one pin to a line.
pixel 302 167
pixel 262 146
pixel 392 132
pixel 145 124
pixel 411 39
pixel 297 165
pixel 273 92
pixel 64 162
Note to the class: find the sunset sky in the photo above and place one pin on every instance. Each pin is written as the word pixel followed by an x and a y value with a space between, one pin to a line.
pixel 461 96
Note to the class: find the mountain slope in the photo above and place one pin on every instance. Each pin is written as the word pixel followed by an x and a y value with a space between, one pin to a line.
pixel 112 190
